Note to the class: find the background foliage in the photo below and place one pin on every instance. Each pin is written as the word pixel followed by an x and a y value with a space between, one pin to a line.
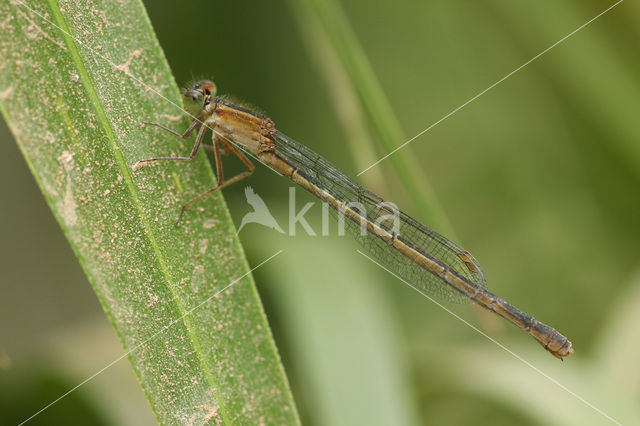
pixel 538 177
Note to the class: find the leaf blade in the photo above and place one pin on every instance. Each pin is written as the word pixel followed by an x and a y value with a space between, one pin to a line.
pixel 79 132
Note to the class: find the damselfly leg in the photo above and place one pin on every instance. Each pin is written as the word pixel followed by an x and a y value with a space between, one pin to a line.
pixel 185 135
pixel 221 182
pixel 218 144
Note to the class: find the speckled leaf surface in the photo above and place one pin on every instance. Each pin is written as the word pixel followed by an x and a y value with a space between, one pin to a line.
pixel 71 92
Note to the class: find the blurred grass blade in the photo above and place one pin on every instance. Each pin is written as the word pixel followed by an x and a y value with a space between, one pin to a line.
pixel 338 32
pixel 611 366
pixel 620 366
pixel 344 337
pixel 348 109
pixel 76 118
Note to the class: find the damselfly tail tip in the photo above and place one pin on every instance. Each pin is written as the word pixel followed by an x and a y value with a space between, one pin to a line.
pixel 563 351
pixel 570 350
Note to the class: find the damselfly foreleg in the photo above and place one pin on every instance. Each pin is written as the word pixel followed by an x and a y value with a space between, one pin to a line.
pixel 217 149
pixel 185 135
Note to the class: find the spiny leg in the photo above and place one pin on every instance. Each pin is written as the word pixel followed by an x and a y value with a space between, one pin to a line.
pixel 221 182
pixel 216 151
pixel 185 135
pixel 191 156
pixel 223 149
pixel 231 148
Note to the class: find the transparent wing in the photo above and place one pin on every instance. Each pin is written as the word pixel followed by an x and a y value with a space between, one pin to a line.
pixel 325 175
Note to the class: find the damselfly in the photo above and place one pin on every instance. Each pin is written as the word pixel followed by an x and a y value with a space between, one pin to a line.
pixel 425 259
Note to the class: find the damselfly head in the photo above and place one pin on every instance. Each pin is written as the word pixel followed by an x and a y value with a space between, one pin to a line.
pixel 195 98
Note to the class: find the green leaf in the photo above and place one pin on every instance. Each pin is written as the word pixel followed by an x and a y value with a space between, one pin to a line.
pixel 181 298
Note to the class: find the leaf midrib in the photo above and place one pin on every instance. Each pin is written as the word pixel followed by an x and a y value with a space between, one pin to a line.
pixel 128 179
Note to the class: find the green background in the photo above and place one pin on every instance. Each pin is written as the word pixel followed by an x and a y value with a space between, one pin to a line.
pixel 539 178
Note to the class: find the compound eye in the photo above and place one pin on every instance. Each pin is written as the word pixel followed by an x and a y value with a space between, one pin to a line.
pixel 193 101
pixel 208 87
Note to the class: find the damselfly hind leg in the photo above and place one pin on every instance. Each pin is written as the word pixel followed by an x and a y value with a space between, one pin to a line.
pixel 221 182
